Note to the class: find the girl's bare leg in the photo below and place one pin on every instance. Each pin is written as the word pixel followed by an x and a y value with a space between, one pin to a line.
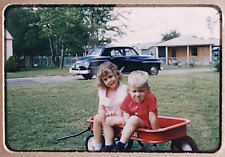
pixel 97 128
pixel 132 124
pixel 110 122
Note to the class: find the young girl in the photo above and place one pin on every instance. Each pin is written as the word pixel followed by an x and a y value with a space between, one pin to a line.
pixel 111 95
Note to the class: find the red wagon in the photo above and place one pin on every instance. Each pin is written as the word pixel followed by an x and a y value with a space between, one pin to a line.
pixel 171 129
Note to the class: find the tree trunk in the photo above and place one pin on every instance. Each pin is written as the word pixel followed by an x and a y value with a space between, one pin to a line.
pixel 24 61
pixel 52 52
pixel 17 58
pixel 57 56
pixel 32 61
pixel 62 57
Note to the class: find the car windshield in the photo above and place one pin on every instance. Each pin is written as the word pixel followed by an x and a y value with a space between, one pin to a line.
pixel 95 52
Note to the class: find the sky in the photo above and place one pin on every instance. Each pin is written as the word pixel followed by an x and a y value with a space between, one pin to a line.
pixel 147 24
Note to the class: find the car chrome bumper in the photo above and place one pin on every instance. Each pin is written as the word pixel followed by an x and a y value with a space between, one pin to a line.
pixel 79 72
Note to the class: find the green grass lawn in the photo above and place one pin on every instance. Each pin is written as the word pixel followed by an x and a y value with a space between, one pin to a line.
pixel 37 72
pixel 38 114
pixel 48 71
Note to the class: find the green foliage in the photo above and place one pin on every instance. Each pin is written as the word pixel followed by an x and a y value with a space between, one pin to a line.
pixel 171 35
pixel 11 65
pixel 38 72
pixel 59 31
pixel 217 66
pixel 75 27
pixel 26 39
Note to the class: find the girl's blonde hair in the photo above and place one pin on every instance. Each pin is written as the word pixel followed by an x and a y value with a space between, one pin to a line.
pixel 103 70
pixel 138 78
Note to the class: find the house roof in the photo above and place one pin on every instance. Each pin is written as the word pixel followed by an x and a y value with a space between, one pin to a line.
pixel 216 42
pixel 142 46
pixel 188 41
pixel 8 35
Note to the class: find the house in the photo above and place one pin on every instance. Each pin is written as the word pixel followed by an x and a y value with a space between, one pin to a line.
pixel 146 48
pixel 186 50
pixel 8 45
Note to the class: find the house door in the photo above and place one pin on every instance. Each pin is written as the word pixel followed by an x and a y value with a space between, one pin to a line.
pixel 162 53
pixel 194 51
pixel 174 54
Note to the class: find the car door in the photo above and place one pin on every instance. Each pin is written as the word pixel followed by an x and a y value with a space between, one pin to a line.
pixel 132 61
pixel 117 57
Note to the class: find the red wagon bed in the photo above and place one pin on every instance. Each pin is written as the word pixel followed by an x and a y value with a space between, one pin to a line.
pixel 170 129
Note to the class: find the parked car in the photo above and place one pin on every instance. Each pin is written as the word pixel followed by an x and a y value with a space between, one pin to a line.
pixel 126 58
pixel 216 54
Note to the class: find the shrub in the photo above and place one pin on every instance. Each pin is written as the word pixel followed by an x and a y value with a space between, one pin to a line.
pixel 11 65
pixel 217 66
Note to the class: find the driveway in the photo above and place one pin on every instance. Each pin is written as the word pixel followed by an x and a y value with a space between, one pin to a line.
pixel 41 80
pixel 54 79
pixel 183 71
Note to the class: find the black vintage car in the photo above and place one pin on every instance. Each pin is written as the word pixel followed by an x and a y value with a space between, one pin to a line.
pixel 126 58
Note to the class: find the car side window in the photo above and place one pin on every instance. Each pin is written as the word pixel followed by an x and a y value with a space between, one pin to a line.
pixel 106 52
pixel 116 52
pixel 130 52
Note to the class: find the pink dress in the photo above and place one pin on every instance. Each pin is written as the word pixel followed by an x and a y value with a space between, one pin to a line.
pixel 112 105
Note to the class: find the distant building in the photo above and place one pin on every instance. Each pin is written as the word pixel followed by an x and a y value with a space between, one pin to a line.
pixel 187 50
pixel 8 45
pixel 146 48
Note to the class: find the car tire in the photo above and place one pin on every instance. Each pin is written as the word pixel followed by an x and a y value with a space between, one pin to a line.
pixel 153 70
pixel 87 76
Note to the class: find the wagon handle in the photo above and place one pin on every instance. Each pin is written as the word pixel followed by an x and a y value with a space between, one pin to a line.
pixel 74 135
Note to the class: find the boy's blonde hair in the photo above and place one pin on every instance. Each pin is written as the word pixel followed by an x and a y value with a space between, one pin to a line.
pixel 103 70
pixel 138 79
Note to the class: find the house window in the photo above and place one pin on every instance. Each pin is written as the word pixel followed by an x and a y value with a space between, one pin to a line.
pixel 194 51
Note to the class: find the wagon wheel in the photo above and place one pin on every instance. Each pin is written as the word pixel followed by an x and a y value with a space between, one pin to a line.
pixel 149 148
pixel 90 142
pixel 127 147
pixel 184 144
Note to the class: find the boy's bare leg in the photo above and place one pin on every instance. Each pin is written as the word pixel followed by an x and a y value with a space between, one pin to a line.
pixel 110 122
pixel 132 124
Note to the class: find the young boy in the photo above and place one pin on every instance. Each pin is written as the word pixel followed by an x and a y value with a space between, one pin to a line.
pixel 139 107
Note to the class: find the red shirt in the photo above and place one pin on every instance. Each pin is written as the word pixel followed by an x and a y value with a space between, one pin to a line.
pixel 140 109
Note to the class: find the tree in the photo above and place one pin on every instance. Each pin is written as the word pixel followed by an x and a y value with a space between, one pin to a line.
pixel 97 20
pixel 75 28
pixel 171 35
pixel 17 26
pixel 35 44
pixel 26 39
pixel 59 30
pixel 65 29
pixel 212 22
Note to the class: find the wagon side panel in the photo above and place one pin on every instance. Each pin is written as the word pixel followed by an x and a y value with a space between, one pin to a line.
pixel 159 137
